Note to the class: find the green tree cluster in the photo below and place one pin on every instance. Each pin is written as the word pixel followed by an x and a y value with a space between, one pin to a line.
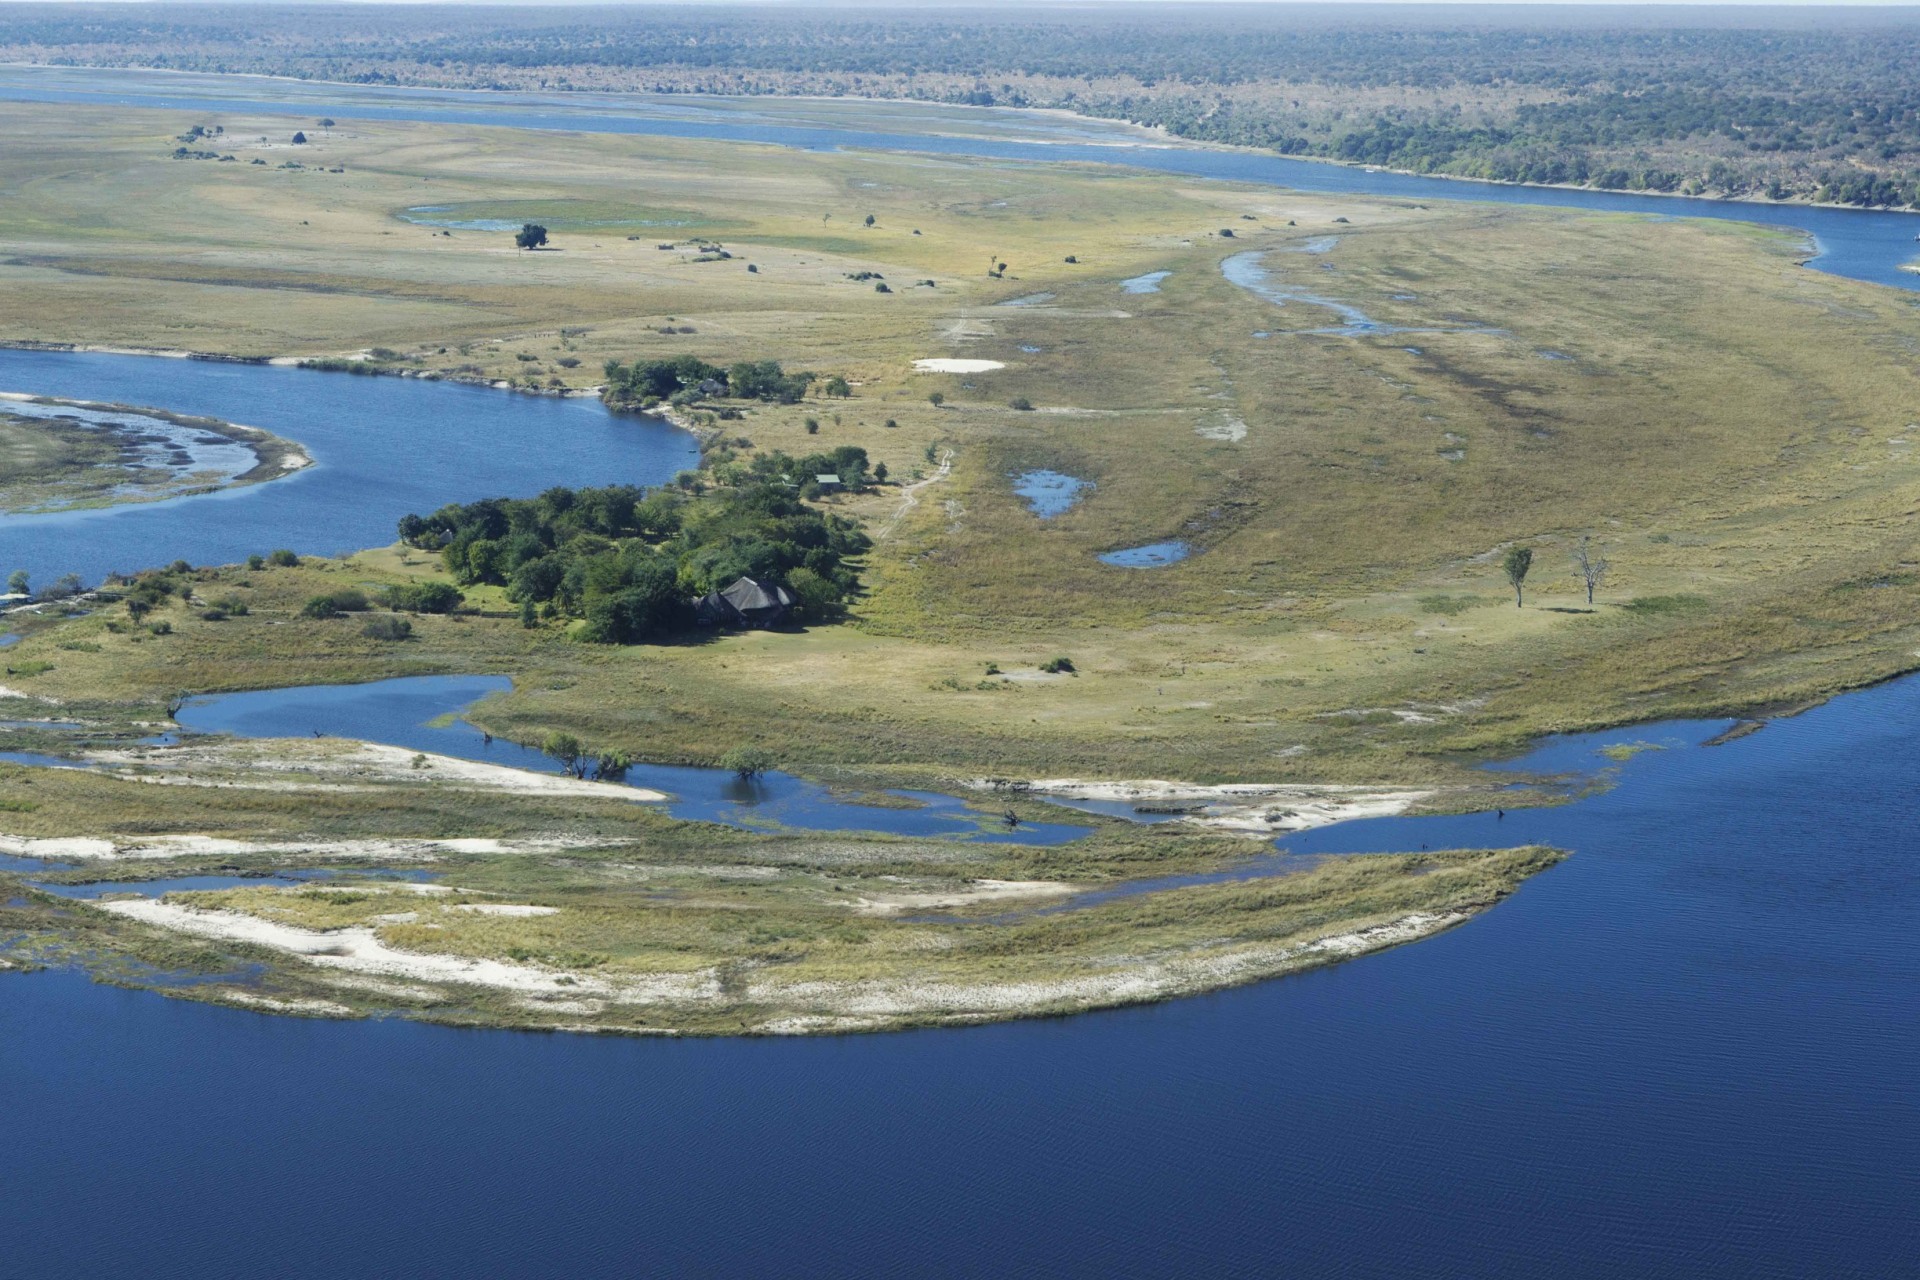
pixel 631 562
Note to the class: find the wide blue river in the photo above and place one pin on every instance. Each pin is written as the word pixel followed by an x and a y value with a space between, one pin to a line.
pixel 1691 1050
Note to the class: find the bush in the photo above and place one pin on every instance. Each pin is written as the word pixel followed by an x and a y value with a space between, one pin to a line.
pixel 1020 404
pixel 256 561
pixel 335 603
pixel 215 614
pixel 387 628
pixel 161 628
pixel 747 762
pixel 282 558
pixel 1058 666
pixel 424 597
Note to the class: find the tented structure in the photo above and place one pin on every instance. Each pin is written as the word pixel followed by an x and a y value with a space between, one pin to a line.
pixel 749 602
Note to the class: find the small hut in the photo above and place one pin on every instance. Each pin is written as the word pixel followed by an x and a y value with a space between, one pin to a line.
pixel 749 602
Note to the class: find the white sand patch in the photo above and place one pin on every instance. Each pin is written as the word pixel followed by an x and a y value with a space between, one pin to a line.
pixel 506 909
pixel 978 891
pixel 579 1008
pixel 6 692
pixel 1250 809
pixel 1232 431
pixel 944 364
pixel 359 950
pixel 398 764
pixel 56 849
pixel 184 846
pixel 347 762
pixel 298 1008
pixel 391 990
pixel 817 1024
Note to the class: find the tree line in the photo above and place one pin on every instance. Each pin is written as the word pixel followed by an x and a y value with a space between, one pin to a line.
pixel 631 562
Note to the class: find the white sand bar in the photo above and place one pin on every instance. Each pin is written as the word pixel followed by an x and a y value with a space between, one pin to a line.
pixel 946 365
pixel 359 950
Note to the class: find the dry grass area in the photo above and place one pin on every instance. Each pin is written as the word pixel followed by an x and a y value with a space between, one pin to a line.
pixel 1734 432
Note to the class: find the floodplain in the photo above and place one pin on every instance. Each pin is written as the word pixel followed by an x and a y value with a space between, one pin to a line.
pixel 1725 427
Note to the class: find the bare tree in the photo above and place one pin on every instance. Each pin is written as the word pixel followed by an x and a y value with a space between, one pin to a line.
pixel 1590 565
pixel 1518 561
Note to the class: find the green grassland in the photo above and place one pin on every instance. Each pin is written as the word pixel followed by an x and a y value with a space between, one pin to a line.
pixel 1733 430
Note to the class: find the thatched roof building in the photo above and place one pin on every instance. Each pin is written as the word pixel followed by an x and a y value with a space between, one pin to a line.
pixel 749 602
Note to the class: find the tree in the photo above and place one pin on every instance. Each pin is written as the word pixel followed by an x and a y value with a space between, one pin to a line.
pixel 1518 561
pixel 747 763
pixel 837 387
pixel 566 748
pixel 326 123
pixel 937 399
pixel 869 219
pixel 17 582
pixel 531 235
pixel 1591 566
pixel 299 139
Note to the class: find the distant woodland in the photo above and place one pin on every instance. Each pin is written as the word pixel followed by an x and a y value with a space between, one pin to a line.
pixel 1765 103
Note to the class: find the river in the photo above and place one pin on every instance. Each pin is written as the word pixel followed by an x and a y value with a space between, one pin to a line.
pixel 1691 1050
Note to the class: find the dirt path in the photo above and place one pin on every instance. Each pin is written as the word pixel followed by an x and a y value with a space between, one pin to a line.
pixel 910 497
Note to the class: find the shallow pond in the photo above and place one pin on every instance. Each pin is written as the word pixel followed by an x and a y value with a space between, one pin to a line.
pixel 421 713
pixel 1148 283
pixel 1151 556
pixel 1050 493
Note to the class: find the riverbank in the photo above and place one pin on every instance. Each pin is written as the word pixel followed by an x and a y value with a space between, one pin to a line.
pixel 574 947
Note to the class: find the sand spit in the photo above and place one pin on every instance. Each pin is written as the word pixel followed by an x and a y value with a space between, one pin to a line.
pixel 100 848
pixel 1258 809
pixel 333 762
pixel 360 951
pixel 1150 978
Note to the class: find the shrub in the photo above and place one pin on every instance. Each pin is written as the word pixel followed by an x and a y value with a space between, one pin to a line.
pixel 161 628
pixel 747 762
pixel 424 597
pixel 282 558
pixel 215 614
pixel 1020 404
pixel 335 603
pixel 387 627
pixel 256 561
pixel 1058 666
